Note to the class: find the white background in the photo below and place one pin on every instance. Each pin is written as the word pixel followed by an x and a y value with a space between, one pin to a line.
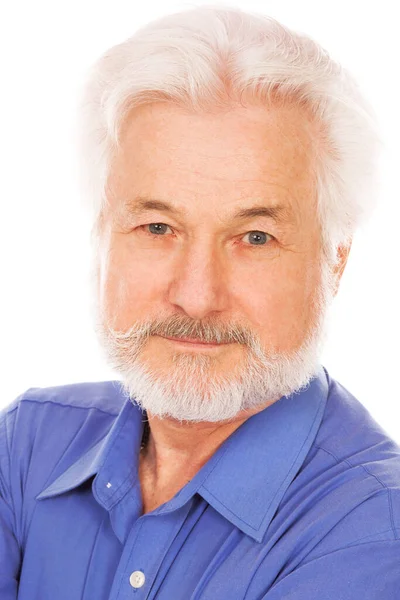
pixel 46 327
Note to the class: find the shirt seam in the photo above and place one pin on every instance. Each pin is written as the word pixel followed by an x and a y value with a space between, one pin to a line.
pixel 389 497
pixel 395 529
pixel 11 505
pixel 305 564
pixel 66 405
pixel 371 535
pixel 382 484
pixel 355 545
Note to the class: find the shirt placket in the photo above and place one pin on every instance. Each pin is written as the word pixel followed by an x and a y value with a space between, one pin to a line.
pixel 145 549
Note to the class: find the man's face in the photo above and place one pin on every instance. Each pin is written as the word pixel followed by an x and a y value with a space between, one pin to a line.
pixel 200 269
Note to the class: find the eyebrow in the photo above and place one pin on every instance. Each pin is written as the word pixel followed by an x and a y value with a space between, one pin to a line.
pixel 277 213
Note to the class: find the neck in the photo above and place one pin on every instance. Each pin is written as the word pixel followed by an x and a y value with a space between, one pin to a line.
pixel 176 450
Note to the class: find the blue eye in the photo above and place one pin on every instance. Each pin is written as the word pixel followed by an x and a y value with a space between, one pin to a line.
pixel 158 228
pixel 259 237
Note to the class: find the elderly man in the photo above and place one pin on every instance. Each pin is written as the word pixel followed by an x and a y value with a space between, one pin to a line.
pixel 228 162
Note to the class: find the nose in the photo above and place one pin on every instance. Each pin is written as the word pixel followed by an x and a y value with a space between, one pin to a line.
pixel 198 284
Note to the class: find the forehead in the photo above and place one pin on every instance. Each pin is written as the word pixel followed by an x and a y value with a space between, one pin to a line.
pixel 227 156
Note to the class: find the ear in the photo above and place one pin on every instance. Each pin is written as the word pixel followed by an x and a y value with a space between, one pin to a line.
pixel 338 269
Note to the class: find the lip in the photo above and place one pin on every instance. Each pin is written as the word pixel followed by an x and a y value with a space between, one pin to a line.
pixel 189 342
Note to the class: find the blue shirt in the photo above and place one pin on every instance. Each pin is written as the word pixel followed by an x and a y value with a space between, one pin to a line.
pixel 302 501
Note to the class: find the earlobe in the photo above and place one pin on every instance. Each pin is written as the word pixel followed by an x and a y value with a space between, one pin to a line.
pixel 342 256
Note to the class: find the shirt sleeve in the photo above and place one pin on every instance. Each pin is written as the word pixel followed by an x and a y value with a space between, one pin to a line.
pixel 366 571
pixel 10 555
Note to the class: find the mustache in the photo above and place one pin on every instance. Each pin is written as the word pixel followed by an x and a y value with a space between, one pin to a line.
pixel 178 326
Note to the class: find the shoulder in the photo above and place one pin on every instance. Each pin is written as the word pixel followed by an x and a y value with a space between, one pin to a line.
pixel 353 474
pixel 74 401
pixel 45 430
pixel 341 515
pixel 106 396
pixel 51 415
pixel 350 436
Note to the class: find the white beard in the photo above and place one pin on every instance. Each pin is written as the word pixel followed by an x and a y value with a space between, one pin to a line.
pixel 189 391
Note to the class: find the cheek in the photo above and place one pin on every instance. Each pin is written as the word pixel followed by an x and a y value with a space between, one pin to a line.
pixel 130 287
pixel 278 302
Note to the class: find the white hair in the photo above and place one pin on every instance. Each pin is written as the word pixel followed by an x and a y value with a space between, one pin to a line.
pixel 209 58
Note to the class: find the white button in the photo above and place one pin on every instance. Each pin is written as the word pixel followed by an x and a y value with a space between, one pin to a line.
pixel 137 579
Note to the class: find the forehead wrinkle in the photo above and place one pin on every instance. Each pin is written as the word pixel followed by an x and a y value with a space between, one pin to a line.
pixel 279 213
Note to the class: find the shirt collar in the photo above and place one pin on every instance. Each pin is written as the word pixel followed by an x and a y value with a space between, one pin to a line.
pixel 263 456
pixel 244 480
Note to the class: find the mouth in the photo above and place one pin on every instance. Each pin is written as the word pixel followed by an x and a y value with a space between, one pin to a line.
pixel 186 341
